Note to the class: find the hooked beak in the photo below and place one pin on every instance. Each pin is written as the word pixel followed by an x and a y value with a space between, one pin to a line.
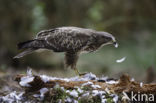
pixel 115 44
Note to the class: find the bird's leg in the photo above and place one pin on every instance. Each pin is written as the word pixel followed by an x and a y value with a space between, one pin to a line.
pixel 76 71
pixel 71 60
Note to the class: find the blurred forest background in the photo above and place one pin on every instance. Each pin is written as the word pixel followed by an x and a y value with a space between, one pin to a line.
pixel 132 22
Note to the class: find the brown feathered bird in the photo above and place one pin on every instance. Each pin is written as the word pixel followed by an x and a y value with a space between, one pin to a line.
pixel 71 40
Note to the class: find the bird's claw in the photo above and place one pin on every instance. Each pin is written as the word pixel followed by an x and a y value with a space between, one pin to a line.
pixel 78 73
pixel 82 74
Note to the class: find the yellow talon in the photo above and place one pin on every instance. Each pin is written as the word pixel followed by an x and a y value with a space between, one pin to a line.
pixel 78 73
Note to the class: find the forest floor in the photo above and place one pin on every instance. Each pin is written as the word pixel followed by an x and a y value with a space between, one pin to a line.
pixel 29 87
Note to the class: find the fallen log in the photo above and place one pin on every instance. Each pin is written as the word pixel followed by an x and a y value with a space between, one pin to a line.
pixel 84 89
pixel 123 84
pixel 88 86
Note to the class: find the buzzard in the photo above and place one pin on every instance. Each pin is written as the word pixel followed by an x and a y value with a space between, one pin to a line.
pixel 71 40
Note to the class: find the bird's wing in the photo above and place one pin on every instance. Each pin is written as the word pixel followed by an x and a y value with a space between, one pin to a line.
pixel 44 33
pixel 67 38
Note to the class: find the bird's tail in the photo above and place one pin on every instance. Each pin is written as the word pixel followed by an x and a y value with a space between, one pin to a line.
pixel 29 44
pixel 25 52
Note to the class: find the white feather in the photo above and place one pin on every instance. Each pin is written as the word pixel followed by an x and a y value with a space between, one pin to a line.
pixel 121 60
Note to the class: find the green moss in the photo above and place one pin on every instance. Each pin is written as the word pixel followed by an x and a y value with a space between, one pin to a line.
pixel 86 88
pixel 85 100
pixel 57 94
pixel 90 99
pixel 110 100
pixel 96 99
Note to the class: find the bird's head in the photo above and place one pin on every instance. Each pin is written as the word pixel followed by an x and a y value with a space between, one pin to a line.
pixel 106 38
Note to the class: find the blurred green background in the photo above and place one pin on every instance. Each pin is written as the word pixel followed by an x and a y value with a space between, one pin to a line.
pixel 132 22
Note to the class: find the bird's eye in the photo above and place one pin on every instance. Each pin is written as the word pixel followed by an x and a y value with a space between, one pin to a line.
pixel 108 38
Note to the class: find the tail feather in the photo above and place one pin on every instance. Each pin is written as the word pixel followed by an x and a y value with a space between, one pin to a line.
pixel 24 44
pixel 25 52
pixel 32 44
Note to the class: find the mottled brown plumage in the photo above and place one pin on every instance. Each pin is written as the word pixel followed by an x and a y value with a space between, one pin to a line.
pixel 71 40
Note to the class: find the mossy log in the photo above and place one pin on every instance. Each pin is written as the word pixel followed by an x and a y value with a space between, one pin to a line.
pixel 125 84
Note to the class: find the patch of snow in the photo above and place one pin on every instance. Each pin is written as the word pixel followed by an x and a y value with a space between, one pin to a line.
pixel 13 97
pixel 46 78
pixel 75 101
pixel 95 92
pixel 132 79
pixel 141 84
pixel 104 78
pixel 91 84
pixel 85 94
pixel 76 78
pixel 112 82
pixel 60 101
pixel 62 88
pixel 36 95
pixel 115 98
pixel 79 90
pixel 68 100
pixel 66 79
pixel 107 90
pixel 73 93
pixel 90 76
pixel 86 77
pixel 26 80
pixel 121 60
pixel 103 100
pixel 56 86
pixel 102 92
pixel 88 83
pixel 67 91
pixel 95 86
pixel 42 92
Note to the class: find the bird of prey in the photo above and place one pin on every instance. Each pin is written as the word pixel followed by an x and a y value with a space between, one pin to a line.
pixel 70 40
